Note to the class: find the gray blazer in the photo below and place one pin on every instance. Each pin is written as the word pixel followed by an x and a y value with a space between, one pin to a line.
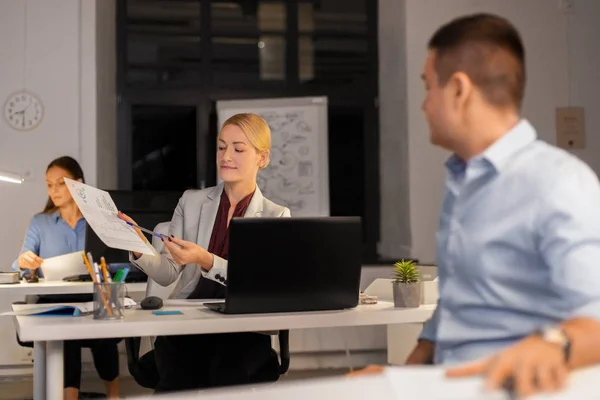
pixel 193 221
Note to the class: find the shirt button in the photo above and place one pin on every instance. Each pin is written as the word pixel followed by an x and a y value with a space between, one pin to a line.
pixel 218 276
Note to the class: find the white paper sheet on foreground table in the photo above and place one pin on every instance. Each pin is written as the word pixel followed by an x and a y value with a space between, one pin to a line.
pixel 100 212
pixel 403 383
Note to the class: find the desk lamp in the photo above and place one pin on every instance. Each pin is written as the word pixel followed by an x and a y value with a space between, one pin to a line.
pixel 10 177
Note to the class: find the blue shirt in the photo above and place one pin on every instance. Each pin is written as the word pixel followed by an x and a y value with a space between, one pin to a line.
pixel 48 235
pixel 518 246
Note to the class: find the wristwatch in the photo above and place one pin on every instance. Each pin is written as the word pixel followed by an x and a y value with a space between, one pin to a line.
pixel 555 334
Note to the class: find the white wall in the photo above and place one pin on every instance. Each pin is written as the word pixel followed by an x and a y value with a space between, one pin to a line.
pixel 559 61
pixel 61 69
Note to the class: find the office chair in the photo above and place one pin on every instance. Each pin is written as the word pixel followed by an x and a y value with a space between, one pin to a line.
pixel 144 372
pixel 143 369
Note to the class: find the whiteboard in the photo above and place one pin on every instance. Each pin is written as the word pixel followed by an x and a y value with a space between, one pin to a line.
pixel 298 174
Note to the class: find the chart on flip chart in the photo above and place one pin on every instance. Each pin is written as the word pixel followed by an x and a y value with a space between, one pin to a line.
pixel 298 174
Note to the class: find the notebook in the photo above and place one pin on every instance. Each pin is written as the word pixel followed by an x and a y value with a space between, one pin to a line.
pixel 62 310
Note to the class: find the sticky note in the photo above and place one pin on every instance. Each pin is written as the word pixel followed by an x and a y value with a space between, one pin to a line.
pixel 167 312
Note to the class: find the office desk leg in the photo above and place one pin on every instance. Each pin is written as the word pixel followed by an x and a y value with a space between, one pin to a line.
pixel 39 370
pixel 54 370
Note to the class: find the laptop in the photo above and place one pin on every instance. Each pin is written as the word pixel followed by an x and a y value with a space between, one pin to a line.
pixel 292 264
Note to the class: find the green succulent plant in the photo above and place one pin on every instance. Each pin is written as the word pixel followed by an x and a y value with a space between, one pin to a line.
pixel 405 271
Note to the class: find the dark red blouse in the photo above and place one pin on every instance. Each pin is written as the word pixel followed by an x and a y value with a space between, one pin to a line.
pixel 219 240
pixel 219 246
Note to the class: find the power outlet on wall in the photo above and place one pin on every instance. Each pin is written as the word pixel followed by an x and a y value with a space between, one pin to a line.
pixel 566 6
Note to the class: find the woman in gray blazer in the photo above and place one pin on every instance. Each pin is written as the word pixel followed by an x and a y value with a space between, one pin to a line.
pixel 197 250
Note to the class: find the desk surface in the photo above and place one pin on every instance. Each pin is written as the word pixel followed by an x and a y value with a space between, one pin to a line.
pixel 196 319
pixel 60 287
pixel 423 383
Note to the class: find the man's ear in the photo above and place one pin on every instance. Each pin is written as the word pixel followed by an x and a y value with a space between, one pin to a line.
pixel 79 180
pixel 461 88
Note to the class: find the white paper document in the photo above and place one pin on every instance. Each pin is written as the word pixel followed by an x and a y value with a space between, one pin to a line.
pixel 59 267
pixel 100 212
pixel 396 383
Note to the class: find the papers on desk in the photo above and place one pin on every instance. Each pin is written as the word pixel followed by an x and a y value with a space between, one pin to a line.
pixel 63 310
pixel 100 212
pixel 423 383
pixel 59 267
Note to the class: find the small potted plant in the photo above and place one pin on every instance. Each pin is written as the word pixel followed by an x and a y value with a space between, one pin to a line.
pixel 407 285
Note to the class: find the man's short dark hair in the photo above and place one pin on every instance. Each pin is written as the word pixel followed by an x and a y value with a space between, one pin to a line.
pixel 489 50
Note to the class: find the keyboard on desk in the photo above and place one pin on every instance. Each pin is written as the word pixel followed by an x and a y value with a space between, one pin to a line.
pixel 219 307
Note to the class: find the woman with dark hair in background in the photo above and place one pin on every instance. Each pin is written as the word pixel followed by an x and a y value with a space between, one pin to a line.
pixel 60 229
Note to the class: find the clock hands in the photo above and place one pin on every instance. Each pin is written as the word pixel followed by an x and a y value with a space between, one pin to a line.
pixel 22 113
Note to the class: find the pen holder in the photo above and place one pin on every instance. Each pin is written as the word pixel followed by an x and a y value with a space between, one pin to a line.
pixel 109 300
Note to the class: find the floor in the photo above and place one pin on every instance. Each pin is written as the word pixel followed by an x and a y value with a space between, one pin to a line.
pixel 22 388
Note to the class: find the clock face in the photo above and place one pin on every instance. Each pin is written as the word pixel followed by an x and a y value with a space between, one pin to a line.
pixel 23 111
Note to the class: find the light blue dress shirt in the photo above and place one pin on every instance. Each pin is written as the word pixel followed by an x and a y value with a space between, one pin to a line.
pixel 48 235
pixel 518 246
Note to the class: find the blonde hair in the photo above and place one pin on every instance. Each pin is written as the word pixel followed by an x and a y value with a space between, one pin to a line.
pixel 256 130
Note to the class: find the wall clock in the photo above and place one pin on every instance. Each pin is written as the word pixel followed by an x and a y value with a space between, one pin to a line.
pixel 23 111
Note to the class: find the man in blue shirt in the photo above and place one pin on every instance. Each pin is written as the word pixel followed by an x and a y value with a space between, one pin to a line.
pixel 518 243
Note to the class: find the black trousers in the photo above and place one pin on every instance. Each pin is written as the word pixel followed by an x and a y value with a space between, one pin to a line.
pixel 201 361
pixel 104 351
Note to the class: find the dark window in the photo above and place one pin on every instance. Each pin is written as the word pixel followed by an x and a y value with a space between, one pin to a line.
pixel 177 58
pixel 163 42
pixel 164 147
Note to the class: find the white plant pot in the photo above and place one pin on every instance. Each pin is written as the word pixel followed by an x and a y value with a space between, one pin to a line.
pixel 407 295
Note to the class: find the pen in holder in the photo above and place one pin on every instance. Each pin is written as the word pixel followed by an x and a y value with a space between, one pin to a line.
pixel 109 300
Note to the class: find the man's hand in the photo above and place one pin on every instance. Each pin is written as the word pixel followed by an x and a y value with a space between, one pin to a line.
pixel 422 354
pixel 533 365
pixel 370 370
pixel 29 260
pixel 184 252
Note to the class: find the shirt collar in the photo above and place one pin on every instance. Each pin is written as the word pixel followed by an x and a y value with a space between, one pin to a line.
pixel 498 154
pixel 55 216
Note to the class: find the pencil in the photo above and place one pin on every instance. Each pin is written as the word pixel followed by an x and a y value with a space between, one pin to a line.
pixel 89 267
pixel 106 276
pixel 104 269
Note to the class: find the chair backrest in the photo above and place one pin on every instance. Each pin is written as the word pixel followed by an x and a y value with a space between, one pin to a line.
pixel 153 288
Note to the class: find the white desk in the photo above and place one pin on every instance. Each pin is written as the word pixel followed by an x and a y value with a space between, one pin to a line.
pixel 49 333
pixel 16 360
pixel 58 287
